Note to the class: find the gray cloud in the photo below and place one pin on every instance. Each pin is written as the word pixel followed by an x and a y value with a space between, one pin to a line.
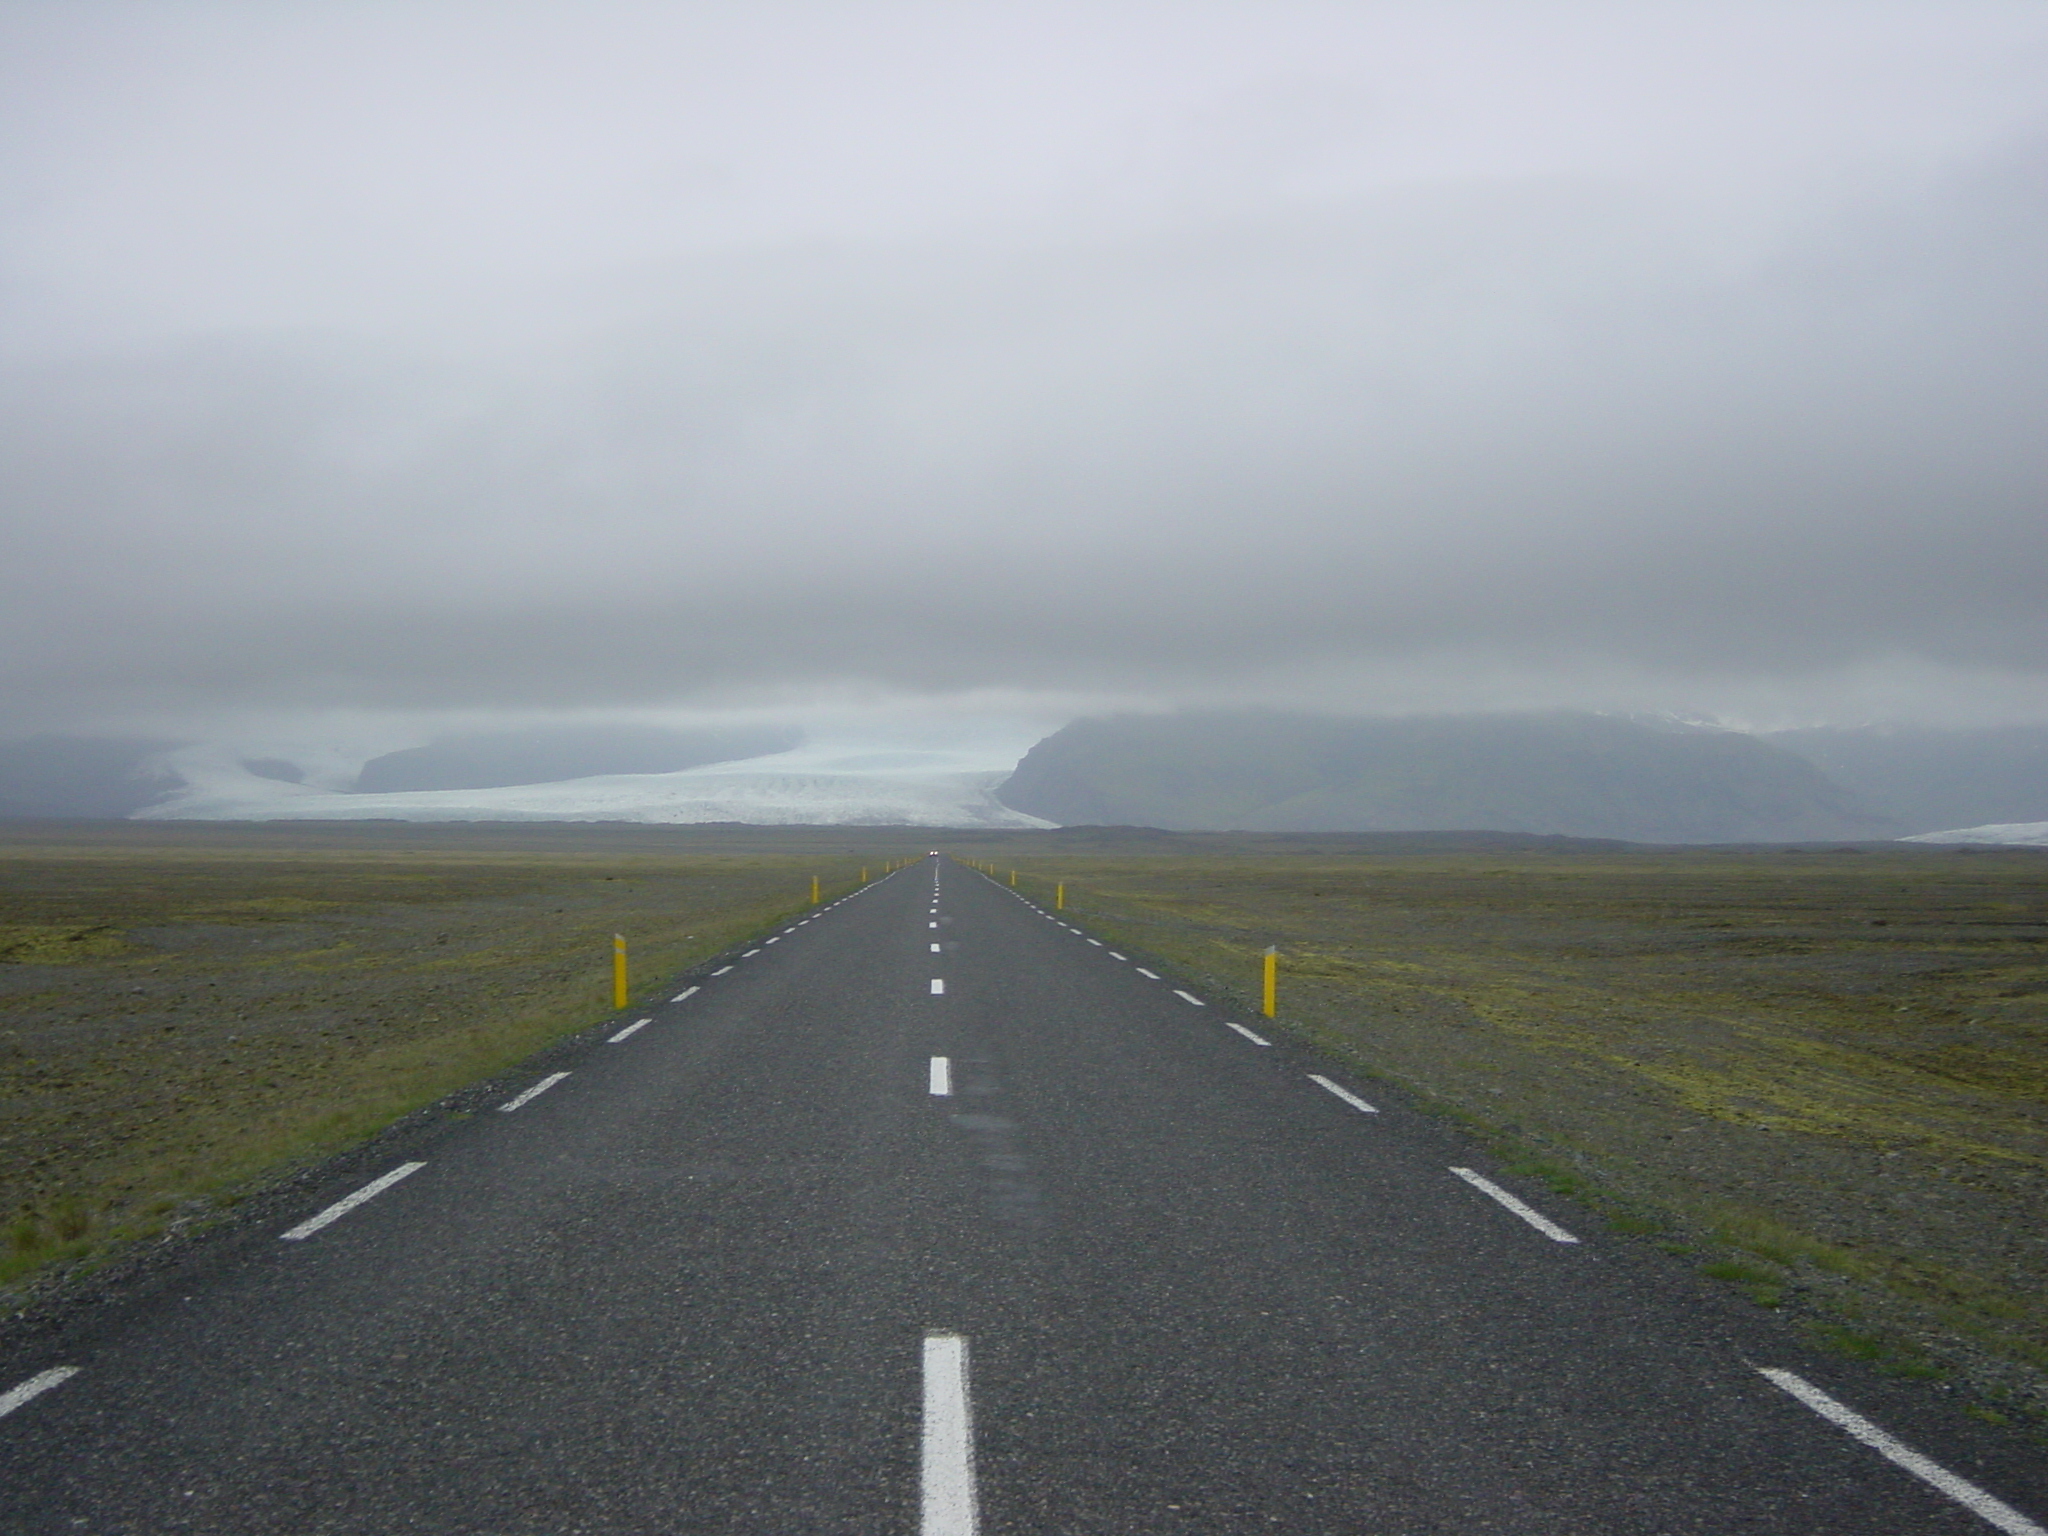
pixel 1249 378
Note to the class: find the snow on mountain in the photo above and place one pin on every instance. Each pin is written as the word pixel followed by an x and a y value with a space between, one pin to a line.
pixel 822 785
pixel 2025 834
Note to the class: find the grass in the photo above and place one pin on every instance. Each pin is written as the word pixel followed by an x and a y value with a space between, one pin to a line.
pixel 1820 1075
pixel 188 1012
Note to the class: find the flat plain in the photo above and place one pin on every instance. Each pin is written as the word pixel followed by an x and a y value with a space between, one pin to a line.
pixel 190 1010
pixel 1818 1074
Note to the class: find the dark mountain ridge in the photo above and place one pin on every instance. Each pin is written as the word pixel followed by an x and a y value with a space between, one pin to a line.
pixel 1559 774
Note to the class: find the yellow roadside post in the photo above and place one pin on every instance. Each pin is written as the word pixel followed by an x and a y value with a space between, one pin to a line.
pixel 863 874
pixel 620 996
pixel 1013 879
pixel 1272 977
pixel 1059 897
pixel 814 890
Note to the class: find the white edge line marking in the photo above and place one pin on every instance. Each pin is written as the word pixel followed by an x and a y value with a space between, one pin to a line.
pixel 1189 997
pixel 1255 1039
pixel 1343 1093
pixel 935 949
pixel 35 1386
pixel 1535 1218
pixel 629 1031
pixel 946 1472
pixel 1148 975
pixel 721 970
pixel 535 1091
pixel 686 992
pixel 776 940
pixel 347 1203
pixel 1096 942
pixel 938 985
pixel 750 954
pixel 1969 1495
pixel 1115 956
pixel 942 1077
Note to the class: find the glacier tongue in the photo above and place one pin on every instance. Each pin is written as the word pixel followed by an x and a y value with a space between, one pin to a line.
pixel 806 787
pixel 2023 834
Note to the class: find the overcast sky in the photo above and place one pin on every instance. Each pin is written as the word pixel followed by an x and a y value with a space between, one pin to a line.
pixel 416 362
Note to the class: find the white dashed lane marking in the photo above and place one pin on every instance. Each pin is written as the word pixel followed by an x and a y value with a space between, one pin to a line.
pixel 35 1386
pixel 1255 1039
pixel 537 1089
pixel 1343 1093
pixel 686 992
pixel 941 1081
pixel 1536 1219
pixel 938 985
pixel 347 1203
pixel 1967 1494
pixel 1148 975
pixel 1189 997
pixel 630 1030
pixel 946 1466
pixel 721 970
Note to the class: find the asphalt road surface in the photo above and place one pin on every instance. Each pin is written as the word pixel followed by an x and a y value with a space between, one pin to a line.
pixel 932 1214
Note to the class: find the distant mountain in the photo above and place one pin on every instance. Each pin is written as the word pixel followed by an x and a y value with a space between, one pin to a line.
pixel 1930 780
pixel 1578 775
pixel 81 776
pixel 499 759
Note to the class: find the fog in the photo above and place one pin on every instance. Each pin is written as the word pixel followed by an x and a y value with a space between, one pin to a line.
pixel 377 370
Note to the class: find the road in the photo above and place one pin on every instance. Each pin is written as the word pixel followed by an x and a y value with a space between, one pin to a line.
pixel 934 1214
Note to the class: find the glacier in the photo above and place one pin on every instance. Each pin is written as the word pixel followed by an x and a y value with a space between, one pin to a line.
pixel 850 785
pixel 2021 834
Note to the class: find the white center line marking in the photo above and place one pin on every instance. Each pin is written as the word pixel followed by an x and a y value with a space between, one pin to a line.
pixel 721 970
pixel 537 1089
pixel 942 1077
pixel 931 925
pixel 1255 1039
pixel 947 1470
pixel 1343 1093
pixel 1115 956
pixel 1189 997
pixel 1969 1495
pixel 1148 975
pixel 630 1030
pixel 35 1386
pixel 935 949
pixel 347 1203
pixel 686 992
pixel 1536 1219
pixel 938 985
